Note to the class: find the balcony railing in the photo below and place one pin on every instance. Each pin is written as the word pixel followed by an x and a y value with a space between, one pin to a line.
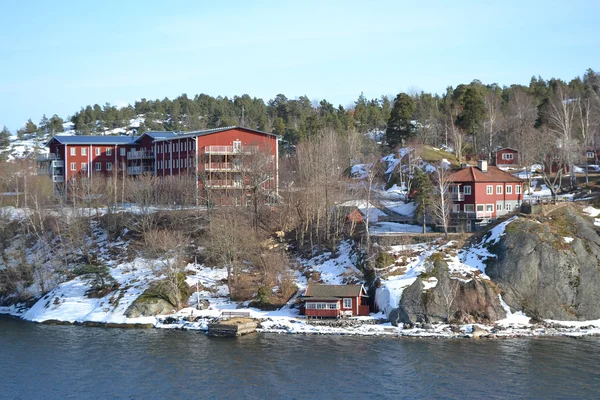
pixel 458 196
pixel 217 166
pixel 48 157
pixel 139 155
pixel 140 169
pixel 58 178
pixel 223 183
pixel 472 214
pixel 229 149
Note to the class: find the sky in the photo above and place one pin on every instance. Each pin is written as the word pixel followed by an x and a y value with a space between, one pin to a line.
pixel 56 57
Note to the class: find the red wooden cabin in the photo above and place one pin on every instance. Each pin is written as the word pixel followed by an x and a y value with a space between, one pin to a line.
pixel 506 157
pixel 334 301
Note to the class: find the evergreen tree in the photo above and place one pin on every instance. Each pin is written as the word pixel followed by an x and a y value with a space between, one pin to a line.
pixel 4 138
pixel 30 127
pixel 56 125
pixel 422 195
pixel 44 126
pixel 400 127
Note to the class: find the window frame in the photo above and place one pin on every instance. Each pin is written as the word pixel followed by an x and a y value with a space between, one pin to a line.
pixel 518 189
pixel 98 151
pixel 84 151
pixel 84 166
pixel 98 166
pixel 489 189
pixel 469 208
pixel 73 166
pixel 508 189
pixel 109 151
pixel 73 151
pixel 499 189
pixel 345 303
pixel 109 166
pixel 465 191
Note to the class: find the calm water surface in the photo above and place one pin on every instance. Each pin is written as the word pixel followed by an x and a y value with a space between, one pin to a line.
pixel 73 362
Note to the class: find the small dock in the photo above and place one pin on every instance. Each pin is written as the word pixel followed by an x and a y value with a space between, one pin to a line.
pixel 232 324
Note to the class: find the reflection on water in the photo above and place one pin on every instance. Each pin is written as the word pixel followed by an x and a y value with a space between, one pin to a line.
pixel 71 362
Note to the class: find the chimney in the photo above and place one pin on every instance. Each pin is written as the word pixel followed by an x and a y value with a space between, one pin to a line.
pixel 482 165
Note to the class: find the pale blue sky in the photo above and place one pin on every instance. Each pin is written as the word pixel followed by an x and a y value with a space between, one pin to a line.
pixel 57 56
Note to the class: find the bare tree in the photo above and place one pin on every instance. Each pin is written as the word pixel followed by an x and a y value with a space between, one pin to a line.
pixel 441 204
pixel 493 122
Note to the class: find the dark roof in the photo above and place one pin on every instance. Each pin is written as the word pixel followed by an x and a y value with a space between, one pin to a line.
pixel 216 130
pixel 328 291
pixel 321 298
pixel 474 174
pixel 506 148
pixel 98 139
pixel 159 134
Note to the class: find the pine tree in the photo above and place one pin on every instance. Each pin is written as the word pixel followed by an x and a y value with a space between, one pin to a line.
pixel 422 195
pixel 4 138
pixel 400 127
pixel 30 127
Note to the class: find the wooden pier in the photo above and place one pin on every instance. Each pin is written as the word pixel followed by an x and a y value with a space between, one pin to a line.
pixel 233 324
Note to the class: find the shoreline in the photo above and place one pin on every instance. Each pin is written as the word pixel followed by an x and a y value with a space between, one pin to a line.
pixel 299 326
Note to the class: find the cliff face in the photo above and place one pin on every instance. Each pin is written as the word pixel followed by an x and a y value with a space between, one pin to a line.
pixel 550 268
pixel 450 300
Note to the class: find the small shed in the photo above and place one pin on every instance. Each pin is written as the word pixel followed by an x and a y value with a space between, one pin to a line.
pixel 507 157
pixel 334 301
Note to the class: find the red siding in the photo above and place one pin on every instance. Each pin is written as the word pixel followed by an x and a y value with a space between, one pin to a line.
pixel 500 161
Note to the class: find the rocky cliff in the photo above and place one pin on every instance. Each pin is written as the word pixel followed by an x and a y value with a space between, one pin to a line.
pixel 549 267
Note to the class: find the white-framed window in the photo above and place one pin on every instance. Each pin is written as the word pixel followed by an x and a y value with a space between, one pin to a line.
pixel 480 207
pixel 469 208
pixel 347 303
pixel 333 306
pixel 84 151
pixel 237 146
pixel 73 166
pixel 122 151
pixel 489 189
pixel 98 166
pixel 508 156
pixel 508 189
pixel 108 151
pixel 589 154
pixel 109 166
pixel 489 207
pixel 98 151
pixel 499 207
pixel 455 208
pixel 508 207
pixel 467 189
pixel 498 189
pixel 518 189
pixel 84 166
pixel 73 151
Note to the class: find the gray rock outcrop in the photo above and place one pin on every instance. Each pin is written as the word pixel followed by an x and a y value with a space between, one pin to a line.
pixel 451 300
pixel 147 306
pixel 550 268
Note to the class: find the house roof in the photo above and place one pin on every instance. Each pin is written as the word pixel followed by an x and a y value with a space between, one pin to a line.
pixel 98 139
pixel 216 130
pixel 506 148
pixel 474 174
pixel 158 134
pixel 333 291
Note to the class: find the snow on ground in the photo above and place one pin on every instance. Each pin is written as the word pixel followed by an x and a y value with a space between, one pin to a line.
pixel 334 269
pixel 69 302
pixel 476 255
pixel 360 171
pixel 400 207
pixel 395 227
pixel 594 213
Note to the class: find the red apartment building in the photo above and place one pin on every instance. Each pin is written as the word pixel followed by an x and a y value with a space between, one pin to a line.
pixel 225 161
pixel 481 194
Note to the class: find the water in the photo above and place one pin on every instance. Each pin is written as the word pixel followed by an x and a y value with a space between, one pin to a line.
pixel 73 362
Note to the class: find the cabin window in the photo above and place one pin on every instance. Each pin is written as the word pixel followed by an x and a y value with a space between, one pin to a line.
pixel 73 166
pixel 109 166
pixel 122 151
pixel 467 189
pixel 108 151
pixel 508 189
pixel 83 151
pixel 518 189
pixel 507 156
pixel 469 208
pixel 590 154
pixel 73 151
pixel 489 189
pixel 498 189
pixel 347 303
pixel 84 166
pixel 333 306
pixel 98 166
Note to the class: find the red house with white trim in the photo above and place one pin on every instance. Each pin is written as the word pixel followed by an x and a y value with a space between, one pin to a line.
pixel 481 194
pixel 334 301
pixel 506 157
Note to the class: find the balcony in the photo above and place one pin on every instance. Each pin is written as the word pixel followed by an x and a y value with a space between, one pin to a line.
pixel 140 155
pixel 458 196
pixel 58 178
pixel 140 169
pixel 223 184
pixel 216 166
pixel 48 157
pixel 223 150
pixel 472 215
